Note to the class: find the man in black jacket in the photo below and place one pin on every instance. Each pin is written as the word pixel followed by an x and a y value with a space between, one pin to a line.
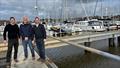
pixel 40 36
pixel 13 36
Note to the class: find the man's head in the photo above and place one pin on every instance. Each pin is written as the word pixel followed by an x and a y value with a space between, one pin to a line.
pixel 37 20
pixel 12 21
pixel 25 20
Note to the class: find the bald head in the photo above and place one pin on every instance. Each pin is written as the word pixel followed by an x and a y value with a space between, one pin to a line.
pixel 25 20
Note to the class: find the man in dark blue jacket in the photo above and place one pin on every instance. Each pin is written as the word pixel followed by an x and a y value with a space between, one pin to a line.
pixel 26 34
pixel 40 36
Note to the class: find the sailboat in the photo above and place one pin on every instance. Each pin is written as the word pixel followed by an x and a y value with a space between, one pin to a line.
pixel 89 25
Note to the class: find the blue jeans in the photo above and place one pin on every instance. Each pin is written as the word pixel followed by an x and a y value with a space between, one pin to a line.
pixel 25 44
pixel 41 48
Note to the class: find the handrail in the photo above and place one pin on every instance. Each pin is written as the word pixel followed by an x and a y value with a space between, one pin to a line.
pixel 96 51
pixel 91 36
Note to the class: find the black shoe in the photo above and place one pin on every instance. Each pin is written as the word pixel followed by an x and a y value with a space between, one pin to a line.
pixel 8 65
pixel 16 60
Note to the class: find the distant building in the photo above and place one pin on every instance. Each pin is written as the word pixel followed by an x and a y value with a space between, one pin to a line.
pixel 4 22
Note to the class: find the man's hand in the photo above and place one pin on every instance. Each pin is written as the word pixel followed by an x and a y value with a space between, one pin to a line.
pixel 44 40
pixel 5 42
pixel 26 38
pixel 33 43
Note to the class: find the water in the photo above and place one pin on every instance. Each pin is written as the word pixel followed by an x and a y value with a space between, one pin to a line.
pixel 73 57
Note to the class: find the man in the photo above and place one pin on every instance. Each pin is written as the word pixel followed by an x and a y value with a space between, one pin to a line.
pixel 13 36
pixel 26 34
pixel 40 36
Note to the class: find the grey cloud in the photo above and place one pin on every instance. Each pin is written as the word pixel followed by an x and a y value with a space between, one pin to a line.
pixel 52 8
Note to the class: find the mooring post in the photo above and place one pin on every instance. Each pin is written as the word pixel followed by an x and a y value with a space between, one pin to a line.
pixel 118 40
pixel 111 41
pixel 87 44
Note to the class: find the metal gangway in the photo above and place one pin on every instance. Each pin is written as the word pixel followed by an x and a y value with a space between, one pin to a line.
pixel 29 63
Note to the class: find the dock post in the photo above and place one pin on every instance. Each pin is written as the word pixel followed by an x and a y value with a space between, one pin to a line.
pixel 118 40
pixel 87 44
pixel 111 41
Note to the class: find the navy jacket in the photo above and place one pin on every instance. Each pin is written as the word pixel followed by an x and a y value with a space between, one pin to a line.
pixel 26 31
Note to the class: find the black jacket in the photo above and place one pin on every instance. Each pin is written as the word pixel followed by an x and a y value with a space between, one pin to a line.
pixel 13 31
pixel 39 32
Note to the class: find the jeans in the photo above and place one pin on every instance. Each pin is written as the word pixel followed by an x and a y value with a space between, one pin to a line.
pixel 12 43
pixel 41 48
pixel 25 44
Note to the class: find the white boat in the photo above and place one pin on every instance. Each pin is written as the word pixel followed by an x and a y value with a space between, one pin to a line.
pixel 118 24
pixel 109 24
pixel 96 25
pixel 77 26
pixel 1 29
pixel 92 25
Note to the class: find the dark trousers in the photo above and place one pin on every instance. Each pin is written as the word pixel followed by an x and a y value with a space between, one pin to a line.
pixel 12 43
pixel 41 48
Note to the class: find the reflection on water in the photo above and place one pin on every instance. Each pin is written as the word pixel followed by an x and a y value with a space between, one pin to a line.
pixel 74 57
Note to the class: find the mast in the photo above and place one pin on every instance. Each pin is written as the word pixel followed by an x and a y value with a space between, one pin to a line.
pixel 23 8
pixel 95 8
pixel 81 3
pixel 101 9
pixel 55 10
pixel 106 11
pixel 64 10
pixel 0 14
pixel 36 7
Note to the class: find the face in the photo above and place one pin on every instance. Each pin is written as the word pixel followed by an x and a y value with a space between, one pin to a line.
pixel 25 20
pixel 12 21
pixel 37 21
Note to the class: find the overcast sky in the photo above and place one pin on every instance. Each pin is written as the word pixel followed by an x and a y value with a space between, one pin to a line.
pixel 54 8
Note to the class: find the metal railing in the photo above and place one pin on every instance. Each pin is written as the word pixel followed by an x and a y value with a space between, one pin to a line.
pixel 96 51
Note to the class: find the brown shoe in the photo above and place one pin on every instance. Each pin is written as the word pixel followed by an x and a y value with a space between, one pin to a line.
pixel 33 58
pixel 24 59
pixel 39 59
pixel 43 60
pixel 8 66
